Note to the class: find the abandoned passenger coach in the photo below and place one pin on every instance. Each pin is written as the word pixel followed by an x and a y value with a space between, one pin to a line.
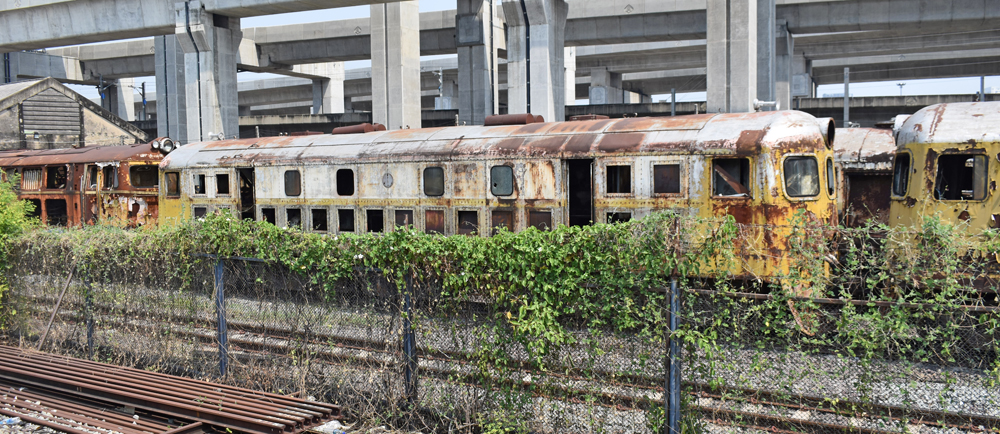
pixel 73 186
pixel 761 168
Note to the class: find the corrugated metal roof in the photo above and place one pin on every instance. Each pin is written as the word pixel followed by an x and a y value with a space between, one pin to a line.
pixel 970 122
pixel 869 149
pixel 715 132
pixel 96 154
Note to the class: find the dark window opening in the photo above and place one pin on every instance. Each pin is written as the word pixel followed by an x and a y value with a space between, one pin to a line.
pixel 293 217
pixel 502 180
pixel 345 220
pixel 901 175
pixel 540 219
pixel 468 222
pixel 247 203
pixel 269 215
pixel 434 181
pixel 319 223
pixel 581 198
pixel 434 221
pixel 619 179
pixel 502 219
pixel 376 220
pixel 36 208
pixel 199 184
pixel 619 217
pixel 345 182
pixel 222 184
pixel 961 177
pixel 92 177
pixel 731 177
pixel 200 211
pixel 293 183
pixel 404 217
pixel 144 176
pixel 56 177
pixel 831 177
pixel 801 176
pixel 111 177
pixel 666 178
pixel 173 183
pixel 56 213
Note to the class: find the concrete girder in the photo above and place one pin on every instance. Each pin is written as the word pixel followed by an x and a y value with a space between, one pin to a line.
pixel 858 15
pixel 909 67
pixel 841 45
pixel 646 60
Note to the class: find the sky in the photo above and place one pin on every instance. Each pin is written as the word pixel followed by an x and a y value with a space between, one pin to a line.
pixel 965 85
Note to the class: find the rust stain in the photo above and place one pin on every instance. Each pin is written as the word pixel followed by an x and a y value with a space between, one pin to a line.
pixel 580 143
pixel 621 142
pixel 749 141
pixel 928 172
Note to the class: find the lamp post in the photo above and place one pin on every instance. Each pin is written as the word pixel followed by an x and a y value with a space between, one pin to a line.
pixel 900 84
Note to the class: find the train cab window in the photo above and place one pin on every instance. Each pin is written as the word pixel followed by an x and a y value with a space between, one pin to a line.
pixel 319 223
pixel 540 219
pixel 293 183
pixel 92 177
pixel 731 177
pixel 434 181
pixel 619 179
pixel 619 217
pixel 293 217
pixel 961 177
pixel 200 211
pixel 502 180
pixel 345 182
pixel 111 177
pixel 222 184
pixel 502 219
pixel 434 221
pixel 269 215
pixel 404 218
pixel 199 184
pixel 901 175
pixel 173 184
pixel 831 177
pixel 345 220
pixel 666 178
pixel 143 176
pixel 31 179
pixel 55 177
pixel 375 218
pixel 468 222
pixel 801 176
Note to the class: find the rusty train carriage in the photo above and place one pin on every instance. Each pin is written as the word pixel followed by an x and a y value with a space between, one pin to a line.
pixel 759 167
pixel 948 164
pixel 865 158
pixel 71 186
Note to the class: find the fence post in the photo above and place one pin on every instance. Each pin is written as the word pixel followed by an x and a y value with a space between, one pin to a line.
pixel 409 346
pixel 672 388
pixel 220 309
pixel 88 301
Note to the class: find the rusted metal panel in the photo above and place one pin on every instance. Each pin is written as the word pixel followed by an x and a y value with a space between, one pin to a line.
pixel 865 149
pixel 958 123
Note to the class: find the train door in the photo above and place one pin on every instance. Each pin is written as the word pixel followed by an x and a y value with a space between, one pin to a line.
pixel 248 206
pixel 580 189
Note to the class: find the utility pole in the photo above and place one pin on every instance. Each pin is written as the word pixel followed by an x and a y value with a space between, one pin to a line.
pixel 142 91
pixel 900 84
pixel 847 95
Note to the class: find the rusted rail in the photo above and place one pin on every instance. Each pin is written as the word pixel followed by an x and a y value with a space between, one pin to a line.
pixel 216 405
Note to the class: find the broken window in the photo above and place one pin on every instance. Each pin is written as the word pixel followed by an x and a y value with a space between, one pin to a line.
pixel 666 178
pixel 293 183
pixel 961 177
pixel 619 217
pixel 222 184
pixel 831 177
pixel 901 175
pixel 144 176
pixel 319 223
pixel 173 184
pixel 56 177
pixel 293 217
pixel 468 222
pixel 376 220
pixel 92 177
pixel 801 176
pixel 55 210
pixel 434 221
pixel 199 184
pixel 502 219
pixel 345 182
pixel 200 211
pixel 111 177
pixel 731 177
pixel 36 208
pixel 268 215
pixel 404 217
pixel 345 220
pixel 540 219
pixel 434 181
pixel 31 179
pixel 619 179
pixel 502 180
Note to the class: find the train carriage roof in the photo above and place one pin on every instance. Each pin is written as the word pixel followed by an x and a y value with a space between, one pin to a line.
pixel 968 122
pixel 712 133
pixel 93 154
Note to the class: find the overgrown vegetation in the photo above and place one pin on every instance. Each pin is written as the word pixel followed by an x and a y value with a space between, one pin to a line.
pixel 14 221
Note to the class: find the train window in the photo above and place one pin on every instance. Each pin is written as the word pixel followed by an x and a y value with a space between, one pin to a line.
pixel 31 179
pixel 92 177
pixel 961 177
pixel 619 179
pixel 376 220
pixel 434 221
pixel 540 219
pixel 434 181
pixel 404 217
pixel 502 219
pixel 293 183
pixel 36 208
pixel 293 217
pixel 619 217
pixel 199 184
pixel 666 178
pixel 56 177
pixel 468 222
pixel 173 183
pixel 801 176
pixel 143 176
pixel 502 180
pixel 901 175
pixel 111 177
pixel 269 215
pixel 200 211
pixel 345 182
pixel 831 177
pixel 222 184
pixel 319 223
pixel 345 220
pixel 731 177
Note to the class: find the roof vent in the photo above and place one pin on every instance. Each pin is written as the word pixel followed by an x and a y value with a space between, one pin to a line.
pixel 515 119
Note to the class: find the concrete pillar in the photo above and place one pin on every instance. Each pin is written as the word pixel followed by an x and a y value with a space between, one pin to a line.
pixel 766 48
pixel 802 82
pixel 124 98
pixel 732 55
pixel 569 59
pixel 347 104
pixel 395 46
pixel 328 93
pixel 447 91
pixel 535 50
pixel 196 75
pixel 783 54
pixel 478 87
pixel 605 87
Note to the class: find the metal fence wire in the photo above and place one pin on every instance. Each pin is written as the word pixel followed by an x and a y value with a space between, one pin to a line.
pixel 408 356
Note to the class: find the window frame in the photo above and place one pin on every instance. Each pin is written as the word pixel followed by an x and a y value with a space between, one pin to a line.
pixel 354 181
pixel 970 153
pixel 513 180
pixel 682 183
pixel 194 184
pixel 751 178
pixel 423 180
pixel 618 163
pixel 166 181
pixel 354 219
pixel 477 230
pixel 831 177
pixel 445 219
pixel 284 182
pixel 135 166
pixel 909 175
pixel 229 184
pixel 819 175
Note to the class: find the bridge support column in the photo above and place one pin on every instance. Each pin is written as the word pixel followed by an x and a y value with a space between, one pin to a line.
pixel 535 49
pixel 395 42
pixel 328 93
pixel 476 36
pixel 569 85
pixel 605 87
pixel 783 54
pixel 732 55
pixel 766 49
pixel 123 98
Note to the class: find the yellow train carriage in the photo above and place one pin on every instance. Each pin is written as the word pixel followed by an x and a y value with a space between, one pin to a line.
pixel 761 168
